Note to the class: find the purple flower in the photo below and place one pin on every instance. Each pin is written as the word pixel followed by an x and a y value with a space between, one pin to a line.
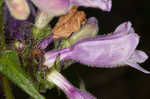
pixel 19 9
pixel 111 50
pixel 71 92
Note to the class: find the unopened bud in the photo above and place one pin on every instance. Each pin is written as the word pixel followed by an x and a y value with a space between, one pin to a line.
pixel 43 19
pixel 19 9
pixel 90 29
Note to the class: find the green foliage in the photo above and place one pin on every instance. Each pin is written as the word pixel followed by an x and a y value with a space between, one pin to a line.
pixel 9 66
pixel 39 34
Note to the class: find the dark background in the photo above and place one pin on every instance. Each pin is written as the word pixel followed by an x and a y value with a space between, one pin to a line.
pixel 117 83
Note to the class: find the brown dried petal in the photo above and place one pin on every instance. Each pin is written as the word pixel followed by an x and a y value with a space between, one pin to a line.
pixel 65 18
pixel 69 23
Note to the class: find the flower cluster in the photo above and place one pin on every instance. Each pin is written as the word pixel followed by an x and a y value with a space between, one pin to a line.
pixel 84 46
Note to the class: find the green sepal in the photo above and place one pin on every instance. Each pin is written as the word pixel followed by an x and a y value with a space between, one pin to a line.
pixel 39 34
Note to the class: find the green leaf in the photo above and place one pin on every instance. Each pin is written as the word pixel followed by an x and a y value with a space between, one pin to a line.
pixel 9 66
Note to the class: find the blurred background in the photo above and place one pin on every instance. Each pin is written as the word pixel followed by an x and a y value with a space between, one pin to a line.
pixel 116 83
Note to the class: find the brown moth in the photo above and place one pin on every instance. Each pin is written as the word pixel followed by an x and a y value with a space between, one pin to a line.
pixel 69 23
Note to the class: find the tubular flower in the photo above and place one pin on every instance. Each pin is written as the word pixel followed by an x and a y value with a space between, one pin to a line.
pixel 71 92
pixel 111 50
pixel 52 8
pixel 19 9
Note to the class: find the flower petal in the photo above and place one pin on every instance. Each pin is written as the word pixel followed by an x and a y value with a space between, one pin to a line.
pixel 138 56
pixel 124 27
pixel 55 7
pixel 122 30
pixel 102 4
pixel 137 66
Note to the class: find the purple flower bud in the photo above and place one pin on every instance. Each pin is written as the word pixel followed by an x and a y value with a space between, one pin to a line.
pixel 19 9
pixel 105 5
pixel 18 29
pixel 111 50
pixel 42 44
pixel 71 92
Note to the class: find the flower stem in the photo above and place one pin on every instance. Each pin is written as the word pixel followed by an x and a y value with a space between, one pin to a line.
pixel 2 37
pixel 6 88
